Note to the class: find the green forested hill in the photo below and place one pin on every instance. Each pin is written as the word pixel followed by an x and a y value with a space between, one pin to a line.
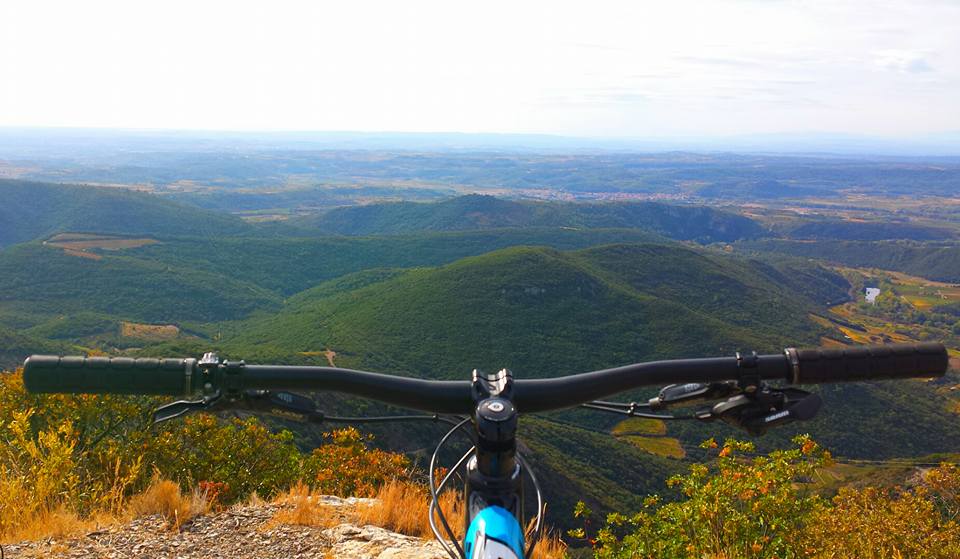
pixel 869 231
pixel 576 464
pixel 544 312
pixel 15 345
pixel 697 223
pixel 30 210
pixel 188 281
pixel 40 280
pixel 747 292
pixel 936 261
pixel 288 265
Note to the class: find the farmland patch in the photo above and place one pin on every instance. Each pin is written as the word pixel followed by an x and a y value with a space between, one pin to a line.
pixel 149 331
pixel 83 244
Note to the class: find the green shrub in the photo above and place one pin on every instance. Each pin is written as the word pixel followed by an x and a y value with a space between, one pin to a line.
pixel 88 454
pixel 737 507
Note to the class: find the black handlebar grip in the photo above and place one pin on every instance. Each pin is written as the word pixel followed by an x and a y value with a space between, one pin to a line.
pixel 877 362
pixel 104 375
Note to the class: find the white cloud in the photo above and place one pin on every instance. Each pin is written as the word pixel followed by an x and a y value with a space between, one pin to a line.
pixel 906 62
pixel 598 68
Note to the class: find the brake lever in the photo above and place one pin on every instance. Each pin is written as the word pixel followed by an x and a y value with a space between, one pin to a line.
pixel 757 412
pixel 691 393
pixel 285 405
pixel 180 408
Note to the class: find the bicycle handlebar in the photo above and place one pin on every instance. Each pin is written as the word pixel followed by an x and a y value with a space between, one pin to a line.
pixel 109 375
pixel 877 362
pixel 179 377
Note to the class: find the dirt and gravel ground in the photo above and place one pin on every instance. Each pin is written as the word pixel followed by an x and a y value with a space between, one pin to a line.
pixel 239 533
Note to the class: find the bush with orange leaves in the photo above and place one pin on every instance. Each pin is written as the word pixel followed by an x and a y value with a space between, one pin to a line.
pixel 347 466
pixel 897 523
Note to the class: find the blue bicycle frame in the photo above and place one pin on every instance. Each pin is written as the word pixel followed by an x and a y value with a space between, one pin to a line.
pixel 494 533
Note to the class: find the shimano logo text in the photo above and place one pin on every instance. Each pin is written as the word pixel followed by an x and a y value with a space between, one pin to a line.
pixel 776 416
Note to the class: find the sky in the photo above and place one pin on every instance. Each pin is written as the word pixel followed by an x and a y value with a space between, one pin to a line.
pixel 593 68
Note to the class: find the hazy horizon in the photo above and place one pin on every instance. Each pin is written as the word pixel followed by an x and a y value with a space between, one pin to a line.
pixel 19 142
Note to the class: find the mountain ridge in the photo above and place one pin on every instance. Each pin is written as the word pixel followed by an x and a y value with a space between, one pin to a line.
pixel 475 211
pixel 34 210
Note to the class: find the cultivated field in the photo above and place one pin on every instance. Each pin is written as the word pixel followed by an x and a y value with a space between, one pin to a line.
pixel 859 324
pixel 648 435
pixel 149 331
pixel 81 242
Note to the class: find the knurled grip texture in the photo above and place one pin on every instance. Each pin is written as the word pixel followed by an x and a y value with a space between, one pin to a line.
pixel 105 375
pixel 876 362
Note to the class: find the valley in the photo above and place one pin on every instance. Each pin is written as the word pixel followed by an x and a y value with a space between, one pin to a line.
pixel 433 277
pixel 904 309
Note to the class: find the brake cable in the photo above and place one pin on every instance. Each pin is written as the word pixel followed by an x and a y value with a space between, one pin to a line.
pixel 434 496
pixel 538 527
pixel 389 418
pixel 630 409
pixel 435 508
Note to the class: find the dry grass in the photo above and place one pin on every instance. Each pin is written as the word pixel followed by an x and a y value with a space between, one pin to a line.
pixel 164 497
pixel 59 523
pixel 303 508
pixel 399 506
pixel 550 546
pixel 254 500
pixel 403 507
